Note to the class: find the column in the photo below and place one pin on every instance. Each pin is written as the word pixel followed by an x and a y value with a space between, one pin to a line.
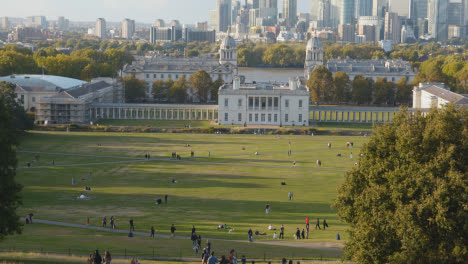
pixel 342 116
pixel 319 116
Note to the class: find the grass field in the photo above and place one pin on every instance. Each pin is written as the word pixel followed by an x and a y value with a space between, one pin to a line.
pixel 230 186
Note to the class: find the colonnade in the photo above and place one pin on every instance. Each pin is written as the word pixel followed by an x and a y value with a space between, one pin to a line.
pixel 352 114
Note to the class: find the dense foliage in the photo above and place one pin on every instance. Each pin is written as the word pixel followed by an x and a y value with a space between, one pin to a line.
pixel 12 120
pixel 406 200
pixel 134 89
pixel 338 88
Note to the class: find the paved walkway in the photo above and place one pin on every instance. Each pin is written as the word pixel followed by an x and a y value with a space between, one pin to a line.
pixel 136 233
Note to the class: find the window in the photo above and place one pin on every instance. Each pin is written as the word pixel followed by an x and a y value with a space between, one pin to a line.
pixel 154 76
pixel 276 118
pixel 256 117
pixel 275 104
pixel 251 104
pixel 300 103
pixel 270 102
pixel 239 117
pixel 269 117
pixel 257 102
pixel 147 76
pixel 33 99
pixel 286 103
pixel 262 117
pixel 177 76
pixel 250 117
pixel 239 102
pixel 226 117
pixel 263 99
pixel 286 118
pixel 162 76
pixel 300 118
pixel 22 98
pixel 226 102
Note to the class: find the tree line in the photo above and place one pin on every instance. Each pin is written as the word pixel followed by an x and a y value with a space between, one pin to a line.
pixel 337 88
pixel 84 64
pixel 175 91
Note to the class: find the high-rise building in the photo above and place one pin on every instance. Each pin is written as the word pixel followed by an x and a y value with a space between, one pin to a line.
pixel 364 8
pixel 5 22
pixel 101 30
pixel 346 8
pixel 271 4
pixel 159 23
pixel 346 32
pixel 253 15
pixel 464 29
pixel 401 7
pixel 438 20
pixel 202 26
pixel 290 12
pixel 128 28
pixel 36 21
pixel 236 6
pixel 166 34
pixel 253 4
pixel 368 31
pixel 455 14
pixel 62 23
pixel 223 15
pixel 392 27
pixel 324 13
pixel 371 21
pixel 213 19
pixel 314 10
pixel 417 15
pixel 377 8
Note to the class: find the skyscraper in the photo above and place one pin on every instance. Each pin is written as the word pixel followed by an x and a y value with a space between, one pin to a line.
pixel 253 4
pixel 223 15
pixel 324 13
pixel 314 10
pixel 346 8
pixel 128 28
pixel 5 22
pixel 101 30
pixel 392 27
pixel 290 12
pixel 236 6
pixel 437 16
pixel 364 8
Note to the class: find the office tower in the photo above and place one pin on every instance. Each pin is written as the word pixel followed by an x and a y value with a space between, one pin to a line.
pixel 364 8
pixel 392 27
pixel 253 4
pixel 101 30
pixel 223 15
pixel 346 8
pixel 346 32
pixel 290 12
pixel 128 28
pixel 5 22
pixel 437 16
pixel 464 29
pixel 455 14
pixel 401 7
pixel 62 23
pixel 368 31
pixel 271 4
pixel 417 15
pixel 324 13
pixel 202 26
pixel 377 8
pixel 213 19
pixel 314 10
pixel 159 23
pixel 36 21
pixel 334 13
pixel 372 21
pixel 174 23
pixel 253 15
pixel 236 6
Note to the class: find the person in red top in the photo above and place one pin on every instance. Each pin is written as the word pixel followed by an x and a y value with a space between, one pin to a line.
pixel 307 223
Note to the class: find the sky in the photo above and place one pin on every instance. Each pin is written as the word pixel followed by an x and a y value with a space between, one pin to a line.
pixel 142 11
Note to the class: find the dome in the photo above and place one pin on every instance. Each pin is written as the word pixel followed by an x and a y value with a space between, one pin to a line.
pixel 314 42
pixel 228 43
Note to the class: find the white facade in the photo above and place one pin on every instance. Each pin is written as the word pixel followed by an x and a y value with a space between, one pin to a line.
pixel 428 95
pixel 101 30
pixel 314 56
pixel 263 104
pixel 128 28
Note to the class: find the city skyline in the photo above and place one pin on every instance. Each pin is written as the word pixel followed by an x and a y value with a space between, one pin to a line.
pixel 142 11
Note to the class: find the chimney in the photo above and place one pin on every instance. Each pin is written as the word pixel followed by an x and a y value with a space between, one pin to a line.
pixel 292 84
pixel 236 83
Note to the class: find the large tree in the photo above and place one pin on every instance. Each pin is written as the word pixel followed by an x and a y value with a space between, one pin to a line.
pixel 384 91
pixel 159 90
pixel 9 189
pixel 320 84
pixel 342 86
pixel 403 92
pixel 362 90
pixel 215 89
pixel 406 200
pixel 178 91
pixel 134 88
pixel 201 82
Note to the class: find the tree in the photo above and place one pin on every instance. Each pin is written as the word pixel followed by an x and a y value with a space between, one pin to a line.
pixel 134 88
pixel 159 90
pixel 383 91
pixel 201 82
pixel 406 201
pixel 404 92
pixel 178 91
pixel 10 198
pixel 362 90
pixel 320 84
pixel 342 86
pixel 215 89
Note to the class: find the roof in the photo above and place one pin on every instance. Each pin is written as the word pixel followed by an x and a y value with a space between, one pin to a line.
pixel 228 43
pixel 446 94
pixel 314 43
pixel 50 82
pixel 87 88
pixel 369 66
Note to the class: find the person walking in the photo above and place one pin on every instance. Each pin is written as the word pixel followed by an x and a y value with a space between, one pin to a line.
pixel 351 155
pixel 303 233
pixel 281 236
pixel 212 259
pixel 132 227
pixel 104 222
pixel 298 233
pixel 73 181
pixel 173 229
pixel 152 232
pixel 329 145
pixel 324 224
pixel 90 176
pixel 294 163
pixel 307 222
pixel 87 221
pixel 317 224
pixel 267 208
pixel 165 198
pixel 107 257
pixel 97 259
pixel 250 235
pixel 112 222
pixel 193 229
pixel 290 196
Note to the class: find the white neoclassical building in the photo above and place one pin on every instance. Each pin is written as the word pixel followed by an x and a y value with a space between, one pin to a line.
pixel 263 103
pixel 160 67
pixel 428 95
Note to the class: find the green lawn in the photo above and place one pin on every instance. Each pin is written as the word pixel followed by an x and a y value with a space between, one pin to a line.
pixel 230 187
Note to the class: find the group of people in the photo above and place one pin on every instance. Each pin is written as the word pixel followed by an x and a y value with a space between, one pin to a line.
pixel 176 156
pixel 208 257
pixel 96 258
pixel 112 222
pixel 147 156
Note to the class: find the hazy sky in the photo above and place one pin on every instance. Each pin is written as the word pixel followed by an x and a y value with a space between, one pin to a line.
pixel 147 11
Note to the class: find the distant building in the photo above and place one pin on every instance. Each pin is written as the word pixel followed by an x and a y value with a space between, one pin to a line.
pixel 438 19
pixel 290 12
pixel 368 31
pixel 347 14
pixel 392 27
pixel 346 32
pixel 263 104
pixel 62 23
pixel 159 23
pixel 223 15
pixel 101 29
pixel 202 26
pixel 324 13
pixel 166 34
pixel 191 35
pixel 314 56
pixel 428 95
pixel 160 67
pixel 36 21
pixel 128 28
pixel 5 23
